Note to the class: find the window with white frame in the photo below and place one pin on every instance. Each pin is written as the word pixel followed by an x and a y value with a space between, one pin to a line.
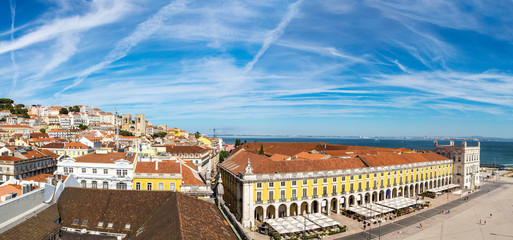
pixel 149 186
pixel 137 186
pixel 172 186
pixel 95 170
pixel 161 186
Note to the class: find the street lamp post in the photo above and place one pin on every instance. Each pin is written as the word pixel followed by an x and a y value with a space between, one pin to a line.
pixel 370 222
pixel 380 219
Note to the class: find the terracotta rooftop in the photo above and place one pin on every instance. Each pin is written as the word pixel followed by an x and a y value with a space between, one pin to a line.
pixel 166 166
pixel 336 157
pixel 10 158
pixel 9 188
pixel 151 214
pixel 14 126
pixel 75 145
pixel 106 158
pixel 189 172
pixel 190 176
pixel 54 145
pixel 40 226
pixel 39 135
pixel 384 159
pixel 185 149
pixel 40 153
pixel 42 177
pixel 262 164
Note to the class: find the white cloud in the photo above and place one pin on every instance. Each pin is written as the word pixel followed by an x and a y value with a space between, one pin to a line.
pixel 141 33
pixel 274 34
pixel 103 12
pixel 13 59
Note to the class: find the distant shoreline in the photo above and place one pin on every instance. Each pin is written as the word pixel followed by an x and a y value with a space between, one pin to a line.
pixel 372 137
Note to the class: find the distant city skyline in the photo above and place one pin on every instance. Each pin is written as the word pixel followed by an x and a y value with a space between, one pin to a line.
pixel 325 68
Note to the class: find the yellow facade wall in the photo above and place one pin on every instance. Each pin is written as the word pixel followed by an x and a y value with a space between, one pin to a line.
pixel 155 183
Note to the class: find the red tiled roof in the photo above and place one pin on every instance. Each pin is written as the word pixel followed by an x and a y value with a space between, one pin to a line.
pixel 39 178
pixel 353 157
pixel 75 145
pixel 185 149
pixel 105 158
pixel 151 214
pixel 39 135
pixel 54 145
pixel 262 164
pixel 166 166
pixel 9 158
pixel 14 126
pixel 385 159
pixel 190 177
pixel 9 188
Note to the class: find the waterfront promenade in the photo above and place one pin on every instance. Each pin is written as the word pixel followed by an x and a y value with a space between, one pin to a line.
pixel 461 223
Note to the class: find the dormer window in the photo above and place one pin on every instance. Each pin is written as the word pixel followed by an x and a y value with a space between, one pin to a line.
pixel 127 226
pixel 75 222
pixel 84 223
pixel 100 224
pixel 109 225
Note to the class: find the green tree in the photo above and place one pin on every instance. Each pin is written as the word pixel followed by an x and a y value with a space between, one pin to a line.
pixel 74 109
pixel 3 119
pixel 42 130
pixel 237 142
pixel 245 141
pixel 125 133
pixel 197 135
pixel 261 152
pixel 223 155
pixel 6 101
pixel 83 127
pixel 159 135
pixel 63 111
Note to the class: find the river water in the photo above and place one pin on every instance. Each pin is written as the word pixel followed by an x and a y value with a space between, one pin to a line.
pixel 492 152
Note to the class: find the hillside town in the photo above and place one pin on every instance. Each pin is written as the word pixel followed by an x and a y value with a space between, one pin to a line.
pixel 46 152
pixel 54 160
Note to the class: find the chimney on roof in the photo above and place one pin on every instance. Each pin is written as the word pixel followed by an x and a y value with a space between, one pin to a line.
pixel 157 165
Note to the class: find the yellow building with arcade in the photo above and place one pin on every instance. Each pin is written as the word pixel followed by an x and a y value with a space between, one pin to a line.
pixel 297 178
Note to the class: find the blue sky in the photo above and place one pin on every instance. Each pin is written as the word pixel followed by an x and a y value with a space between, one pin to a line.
pixel 385 68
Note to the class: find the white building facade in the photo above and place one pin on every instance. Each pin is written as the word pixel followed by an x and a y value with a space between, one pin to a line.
pixel 466 162
pixel 107 172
